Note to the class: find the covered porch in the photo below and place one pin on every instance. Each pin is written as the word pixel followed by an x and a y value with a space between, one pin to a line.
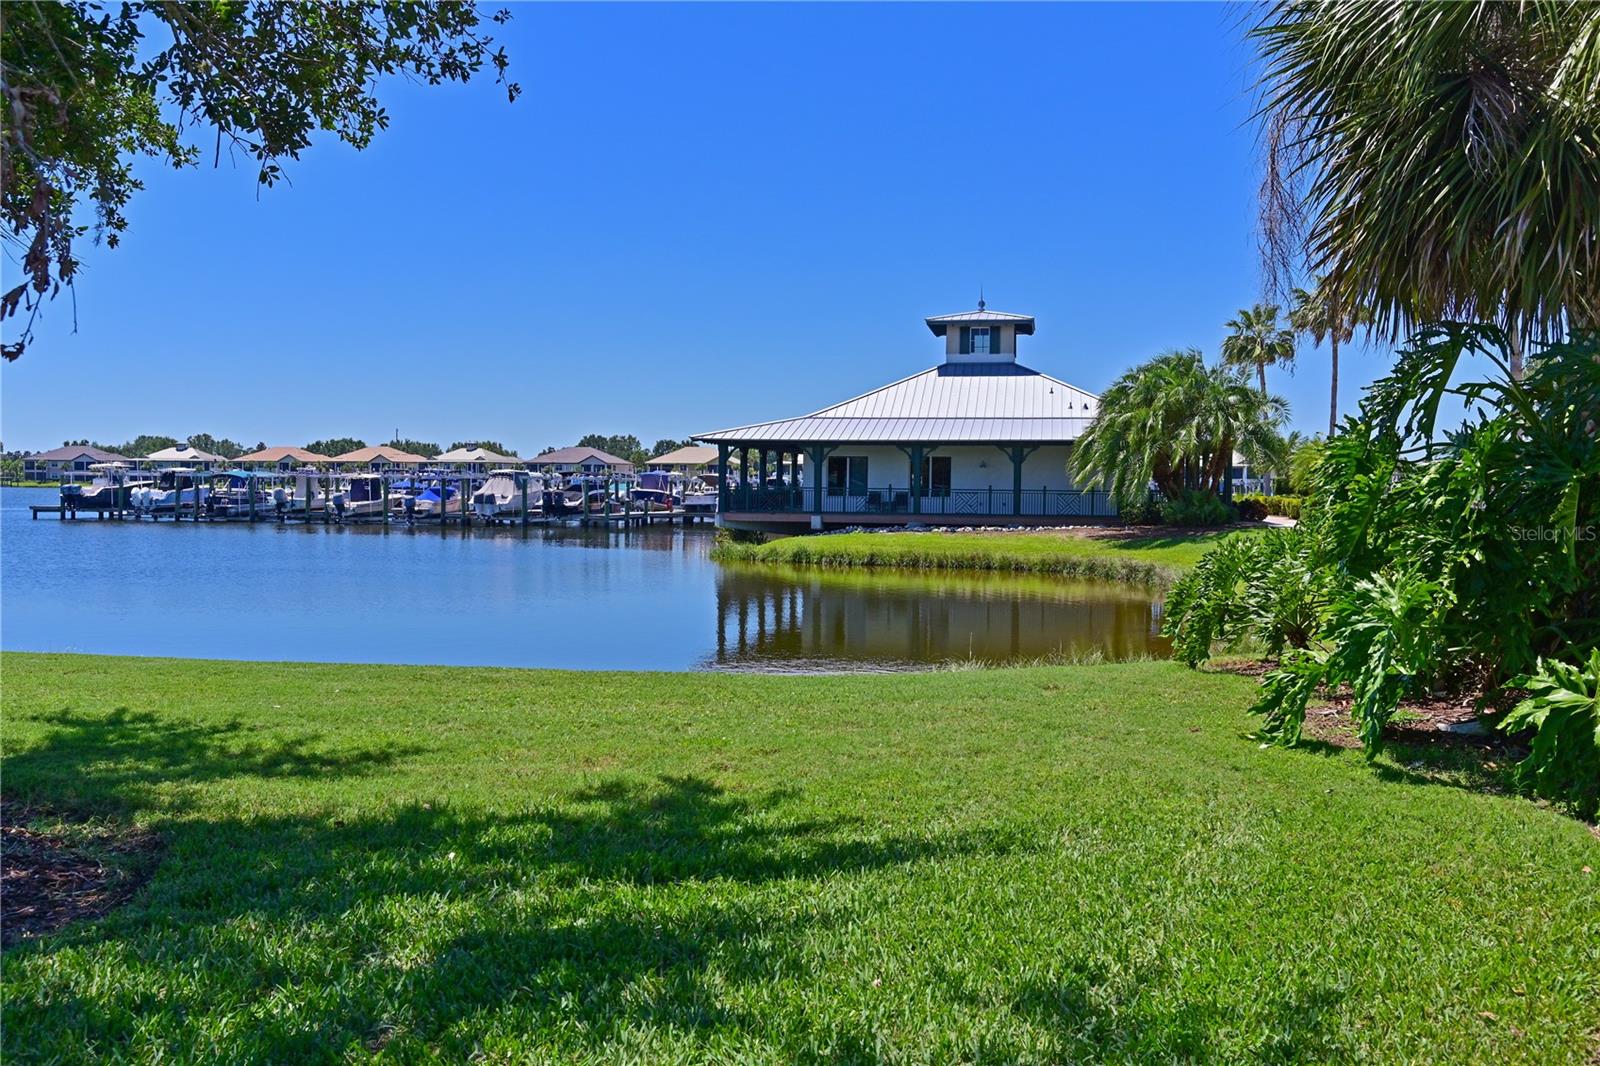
pixel 1005 483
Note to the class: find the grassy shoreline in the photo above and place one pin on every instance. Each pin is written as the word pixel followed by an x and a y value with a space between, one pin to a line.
pixel 1007 865
pixel 1155 560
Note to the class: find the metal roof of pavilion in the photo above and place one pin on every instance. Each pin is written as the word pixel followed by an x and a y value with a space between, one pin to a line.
pixel 979 403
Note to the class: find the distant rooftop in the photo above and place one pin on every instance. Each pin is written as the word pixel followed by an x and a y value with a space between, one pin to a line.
pixel 280 453
pixel 475 455
pixel 576 455
pixel 693 455
pixel 383 453
pixel 77 451
pixel 184 453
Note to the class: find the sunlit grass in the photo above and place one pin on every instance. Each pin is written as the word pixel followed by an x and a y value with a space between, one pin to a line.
pixel 1150 560
pixel 1046 865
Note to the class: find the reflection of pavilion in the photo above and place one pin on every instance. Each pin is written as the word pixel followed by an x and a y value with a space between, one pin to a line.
pixel 771 616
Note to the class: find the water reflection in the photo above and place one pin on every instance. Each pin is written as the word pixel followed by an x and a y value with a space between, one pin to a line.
pixel 645 599
pixel 778 618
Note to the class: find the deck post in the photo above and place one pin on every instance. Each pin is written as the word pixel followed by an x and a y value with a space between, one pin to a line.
pixel 525 479
pixel 818 456
pixel 722 478
pixel 383 492
pixel 1016 479
pixel 916 478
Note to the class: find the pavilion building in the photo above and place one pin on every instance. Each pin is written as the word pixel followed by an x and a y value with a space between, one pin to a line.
pixel 979 439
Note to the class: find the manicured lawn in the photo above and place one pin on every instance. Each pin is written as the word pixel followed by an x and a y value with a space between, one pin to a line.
pixel 1153 560
pixel 1038 865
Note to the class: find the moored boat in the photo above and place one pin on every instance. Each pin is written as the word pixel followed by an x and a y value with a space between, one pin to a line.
pixel 363 496
pixel 659 490
pixel 508 494
pixel 110 489
pixel 174 487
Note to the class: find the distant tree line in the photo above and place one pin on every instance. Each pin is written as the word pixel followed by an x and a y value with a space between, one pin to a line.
pixel 623 446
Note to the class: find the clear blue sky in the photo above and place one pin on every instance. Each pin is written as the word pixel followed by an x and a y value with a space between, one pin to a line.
pixel 695 216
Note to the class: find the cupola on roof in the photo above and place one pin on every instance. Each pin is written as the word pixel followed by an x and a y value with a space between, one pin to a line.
pixel 940 324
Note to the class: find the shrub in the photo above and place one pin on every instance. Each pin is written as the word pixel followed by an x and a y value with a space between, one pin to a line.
pixel 1141 512
pixel 1197 507
pixel 1250 508
pixel 1261 587
pixel 1432 562
pixel 1287 506
pixel 1563 707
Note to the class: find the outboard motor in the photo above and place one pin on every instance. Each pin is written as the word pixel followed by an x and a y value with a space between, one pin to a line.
pixel 340 501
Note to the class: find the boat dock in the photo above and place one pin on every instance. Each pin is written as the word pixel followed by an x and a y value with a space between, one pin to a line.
pixel 623 515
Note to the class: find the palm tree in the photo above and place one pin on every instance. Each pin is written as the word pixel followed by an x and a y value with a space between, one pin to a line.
pixel 1319 314
pixel 1440 160
pixel 1258 341
pixel 1176 422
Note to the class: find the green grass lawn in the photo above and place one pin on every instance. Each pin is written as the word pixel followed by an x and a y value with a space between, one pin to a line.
pixel 1152 560
pixel 1032 865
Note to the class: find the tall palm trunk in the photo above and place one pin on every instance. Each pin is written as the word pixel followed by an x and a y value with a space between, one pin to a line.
pixel 1333 393
pixel 1261 373
pixel 1514 339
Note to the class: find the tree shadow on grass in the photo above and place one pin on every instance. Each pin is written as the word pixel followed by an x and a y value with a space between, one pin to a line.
pixel 1442 760
pixel 117 761
pixel 622 914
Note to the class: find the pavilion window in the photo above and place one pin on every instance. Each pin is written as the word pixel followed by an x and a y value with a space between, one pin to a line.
pixel 847 474
pixel 936 475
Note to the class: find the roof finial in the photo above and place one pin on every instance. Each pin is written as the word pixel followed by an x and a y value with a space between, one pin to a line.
pixel 981 304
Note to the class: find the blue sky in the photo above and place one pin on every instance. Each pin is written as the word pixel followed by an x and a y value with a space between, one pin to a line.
pixel 695 216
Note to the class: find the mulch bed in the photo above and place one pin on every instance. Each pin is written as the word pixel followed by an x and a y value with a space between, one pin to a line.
pixel 1439 721
pixel 46 881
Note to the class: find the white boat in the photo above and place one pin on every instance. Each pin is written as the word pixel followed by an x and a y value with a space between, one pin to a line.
pixel 305 484
pixel 508 494
pixel 702 494
pixel 362 496
pixel 174 487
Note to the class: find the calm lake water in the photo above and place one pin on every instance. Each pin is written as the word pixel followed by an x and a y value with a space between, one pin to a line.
pixel 575 598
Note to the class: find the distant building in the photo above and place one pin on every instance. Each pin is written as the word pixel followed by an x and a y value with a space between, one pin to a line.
pixel 183 455
pixel 69 463
pixel 283 457
pixel 578 460
pixel 977 440
pixel 695 459
pixel 380 458
pixel 475 460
